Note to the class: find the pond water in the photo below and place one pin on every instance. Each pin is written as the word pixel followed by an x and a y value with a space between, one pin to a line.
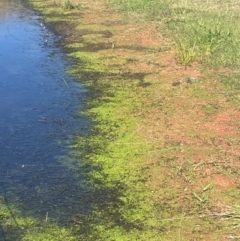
pixel 39 105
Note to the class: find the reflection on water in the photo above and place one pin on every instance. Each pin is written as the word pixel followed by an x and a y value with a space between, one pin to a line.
pixel 38 116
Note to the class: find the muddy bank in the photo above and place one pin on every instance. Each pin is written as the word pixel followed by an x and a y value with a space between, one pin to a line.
pixel 149 149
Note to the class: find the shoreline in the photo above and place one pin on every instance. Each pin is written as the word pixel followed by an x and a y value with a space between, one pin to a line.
pixel 152 145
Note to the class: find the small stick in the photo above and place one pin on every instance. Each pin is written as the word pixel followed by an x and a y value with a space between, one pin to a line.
pixel 47 217
pixel 65 82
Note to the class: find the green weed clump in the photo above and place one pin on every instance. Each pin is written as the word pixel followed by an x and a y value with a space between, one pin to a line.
pixel 207 39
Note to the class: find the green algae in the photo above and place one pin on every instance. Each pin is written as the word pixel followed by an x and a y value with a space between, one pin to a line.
pixel 92 38
pixel 15 226
pixel 115 154
pixel 54 12
pixel 75 45
pixel 89 61
pixel 94 27
pixel 100 61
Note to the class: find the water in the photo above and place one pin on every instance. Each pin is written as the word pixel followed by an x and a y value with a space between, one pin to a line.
pixel 39 106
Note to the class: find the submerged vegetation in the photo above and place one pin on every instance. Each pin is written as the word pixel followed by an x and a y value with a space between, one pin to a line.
pixel 152 157
pixel 15 226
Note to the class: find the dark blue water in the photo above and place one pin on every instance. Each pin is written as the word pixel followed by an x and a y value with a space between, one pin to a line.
pixel 39 105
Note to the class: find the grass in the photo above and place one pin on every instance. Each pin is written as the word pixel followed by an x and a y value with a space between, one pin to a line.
pixel 202 30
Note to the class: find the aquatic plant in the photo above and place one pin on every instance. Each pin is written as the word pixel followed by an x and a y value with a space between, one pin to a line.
pixel 14 226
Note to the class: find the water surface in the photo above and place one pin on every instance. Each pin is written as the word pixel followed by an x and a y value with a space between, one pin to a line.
pixel 39 106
